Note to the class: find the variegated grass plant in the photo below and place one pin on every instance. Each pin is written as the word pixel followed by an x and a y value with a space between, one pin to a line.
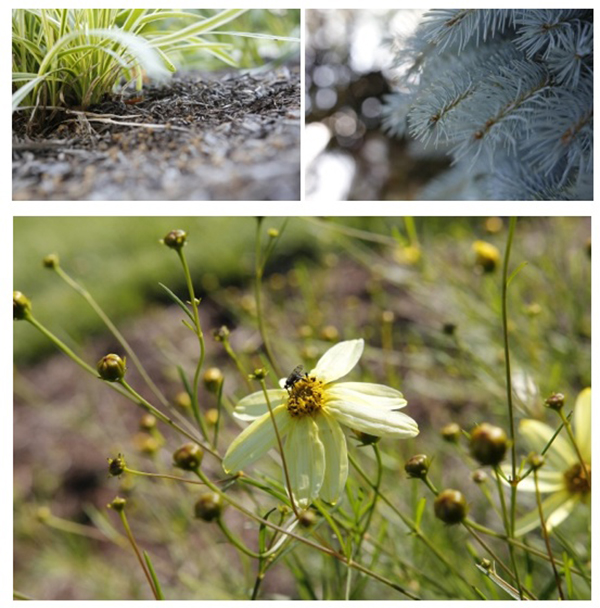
pixel 74 57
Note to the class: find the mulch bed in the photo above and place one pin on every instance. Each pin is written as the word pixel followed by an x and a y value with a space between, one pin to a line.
pixel 198 137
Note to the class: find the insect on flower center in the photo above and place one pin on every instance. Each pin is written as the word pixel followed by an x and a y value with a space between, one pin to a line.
pixel 306 397
pixel 578 482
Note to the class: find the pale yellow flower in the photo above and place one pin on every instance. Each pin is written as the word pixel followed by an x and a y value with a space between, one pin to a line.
pixel 562 476
pixel 309 415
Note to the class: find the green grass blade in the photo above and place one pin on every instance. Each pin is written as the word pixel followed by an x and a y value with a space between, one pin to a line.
pixel 157 586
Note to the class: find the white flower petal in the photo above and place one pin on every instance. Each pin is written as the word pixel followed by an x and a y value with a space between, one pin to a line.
pixel 560 513
pixel 373 420
pixel 583 423
pixel 305 458
pixel 560 455
pixel 338 360
pixel 377 395
pixel 555 508
pixel 548 481
pixel 255 405
pixel 256 440
pixel 336 457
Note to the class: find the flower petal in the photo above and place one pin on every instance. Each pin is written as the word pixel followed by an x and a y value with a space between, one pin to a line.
pixel 548 481
pixel 555 508
pixel 305 458
pixel 336 457
pixel 560 455
pixel 255 405
pixel 583 423
pixel 366 393
pixel 373 420
pixel 256 440
pixel 338 360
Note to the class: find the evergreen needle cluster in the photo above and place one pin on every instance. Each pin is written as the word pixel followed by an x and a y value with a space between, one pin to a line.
pixel 508 95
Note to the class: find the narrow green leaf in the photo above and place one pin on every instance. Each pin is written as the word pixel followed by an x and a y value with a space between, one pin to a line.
pixel 515 272
pixel 157 586
pixel 419 511
pixel 178 301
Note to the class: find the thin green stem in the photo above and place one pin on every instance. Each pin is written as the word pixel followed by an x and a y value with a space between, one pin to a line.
pixel 376 489
pixel 163 476
pixel 280 446
pixel 198 330
pixel 87 296
pixel 362 532
pixel 513 447
pixel 137 552
pixel 306 541
pixel 538 498
pixel 508 528
pixel 59 344
pixel 122 387
pixel 219 412
pixel 259 270
pixel 236 360
pixel 584 464
pixel 509 517
pixel 416 530
pixel 164 418
pixel 430 484
pixel 235 541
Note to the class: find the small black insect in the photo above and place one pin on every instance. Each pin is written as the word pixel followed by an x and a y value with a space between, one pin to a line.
pixel 294 377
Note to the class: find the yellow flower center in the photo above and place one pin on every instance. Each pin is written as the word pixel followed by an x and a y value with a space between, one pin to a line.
pixel 306 397
pixel 578 482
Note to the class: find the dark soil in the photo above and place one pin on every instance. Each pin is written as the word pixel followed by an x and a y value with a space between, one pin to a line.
pixel 198 137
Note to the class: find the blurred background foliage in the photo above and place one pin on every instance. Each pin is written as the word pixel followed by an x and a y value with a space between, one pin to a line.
pixel 252 52
pixel 413 289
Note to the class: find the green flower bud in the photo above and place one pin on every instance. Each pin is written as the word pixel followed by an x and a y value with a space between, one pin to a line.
pixel 450 506
pixel 535 460
pixel 183 400
pixel 259 374
pixel 479 476
pixel 209 506
pixel 451 433
pixel 273 233
pixel 146 443
pixel 21 306
pixel 188 457
pixel 221 334
pixel 556 401
pixel 212 379
pixel 111 368
pixel 417 466
pixel 116 466
pixel 307 518
pixel 43 514
pixel 488 444
pixel 147 422
pixel 51 261
pixel 366 438
pixel 175 239
pixel 118 504
pixel 330 333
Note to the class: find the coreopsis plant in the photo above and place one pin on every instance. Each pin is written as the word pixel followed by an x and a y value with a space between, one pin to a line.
pixel 310 410
pixel 564 476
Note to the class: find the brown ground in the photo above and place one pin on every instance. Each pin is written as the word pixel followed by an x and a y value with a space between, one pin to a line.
pixel 211 137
